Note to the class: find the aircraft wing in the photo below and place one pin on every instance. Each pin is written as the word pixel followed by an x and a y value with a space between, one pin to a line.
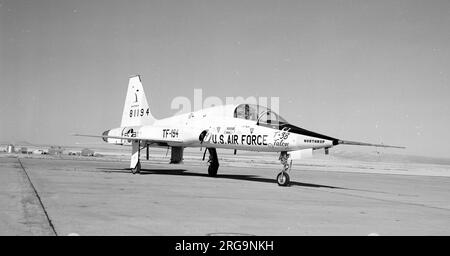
pixel 129 138
pixel 348 142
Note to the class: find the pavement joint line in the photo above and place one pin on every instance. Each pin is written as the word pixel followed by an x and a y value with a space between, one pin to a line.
pixel 39 198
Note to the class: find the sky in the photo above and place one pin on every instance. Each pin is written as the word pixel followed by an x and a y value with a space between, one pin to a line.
pixel 373 71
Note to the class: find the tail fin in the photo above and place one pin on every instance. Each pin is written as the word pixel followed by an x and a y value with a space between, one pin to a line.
pixel 136 111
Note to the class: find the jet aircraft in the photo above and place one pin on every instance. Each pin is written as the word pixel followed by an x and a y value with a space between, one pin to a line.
pixel 245 127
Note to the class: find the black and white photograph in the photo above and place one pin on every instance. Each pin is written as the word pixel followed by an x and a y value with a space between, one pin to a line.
pixel 238 119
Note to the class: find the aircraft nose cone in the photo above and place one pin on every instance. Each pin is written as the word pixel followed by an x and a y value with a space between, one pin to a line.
pixel 105 133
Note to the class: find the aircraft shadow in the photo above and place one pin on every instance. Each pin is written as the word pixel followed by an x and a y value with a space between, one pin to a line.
pixel 183 172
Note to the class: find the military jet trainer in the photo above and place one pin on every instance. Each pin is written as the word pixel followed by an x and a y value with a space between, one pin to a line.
pixel 240 127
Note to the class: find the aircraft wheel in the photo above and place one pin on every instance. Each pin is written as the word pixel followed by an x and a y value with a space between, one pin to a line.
pixel 137 168
pixel 212 170
pixel 283 179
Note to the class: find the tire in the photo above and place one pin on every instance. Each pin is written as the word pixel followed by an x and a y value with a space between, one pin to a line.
pixel 283 179
pixel 137 168
pixel 212 170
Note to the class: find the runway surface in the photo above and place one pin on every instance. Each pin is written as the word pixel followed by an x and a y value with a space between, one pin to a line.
pixel 91 196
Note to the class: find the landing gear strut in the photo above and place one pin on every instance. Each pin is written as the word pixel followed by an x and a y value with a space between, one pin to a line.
pixel 283 176
pixel 135 164
pixel 213 162
pixel 137 168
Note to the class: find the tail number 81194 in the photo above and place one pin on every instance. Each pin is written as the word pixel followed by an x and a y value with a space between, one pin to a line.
pixel 139 112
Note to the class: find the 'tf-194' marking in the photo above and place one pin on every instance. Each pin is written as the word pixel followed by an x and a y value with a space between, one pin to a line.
pixel 170 133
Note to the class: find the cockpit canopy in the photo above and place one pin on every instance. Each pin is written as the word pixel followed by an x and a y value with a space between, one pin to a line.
pixel 266 117
pixel 261 115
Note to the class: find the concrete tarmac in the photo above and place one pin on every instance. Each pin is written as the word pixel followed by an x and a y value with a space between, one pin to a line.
pixel 99 197
pixel 21 212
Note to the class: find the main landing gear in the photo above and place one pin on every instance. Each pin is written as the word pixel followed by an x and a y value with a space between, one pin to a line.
pixel 135 164
pixel 137 168
pixel 283 176
pixel 213 162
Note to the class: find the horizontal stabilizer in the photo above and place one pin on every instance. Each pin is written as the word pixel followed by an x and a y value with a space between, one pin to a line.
pixel 129 138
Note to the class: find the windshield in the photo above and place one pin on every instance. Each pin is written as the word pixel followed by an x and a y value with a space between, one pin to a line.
pixel 262 115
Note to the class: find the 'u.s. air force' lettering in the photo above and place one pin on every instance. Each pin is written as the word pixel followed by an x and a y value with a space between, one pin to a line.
pixel 233 139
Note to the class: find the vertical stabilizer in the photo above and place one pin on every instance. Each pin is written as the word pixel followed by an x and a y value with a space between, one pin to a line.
pixel 136 110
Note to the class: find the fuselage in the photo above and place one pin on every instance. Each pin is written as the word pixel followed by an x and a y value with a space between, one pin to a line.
pixel 222 127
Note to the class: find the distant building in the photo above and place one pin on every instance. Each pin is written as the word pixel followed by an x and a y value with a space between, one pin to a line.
pixel 55 150
pixel 10 149
pixel 38 152
pixel 87 152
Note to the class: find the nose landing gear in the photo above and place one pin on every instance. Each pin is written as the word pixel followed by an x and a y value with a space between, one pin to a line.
pixel 283 177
